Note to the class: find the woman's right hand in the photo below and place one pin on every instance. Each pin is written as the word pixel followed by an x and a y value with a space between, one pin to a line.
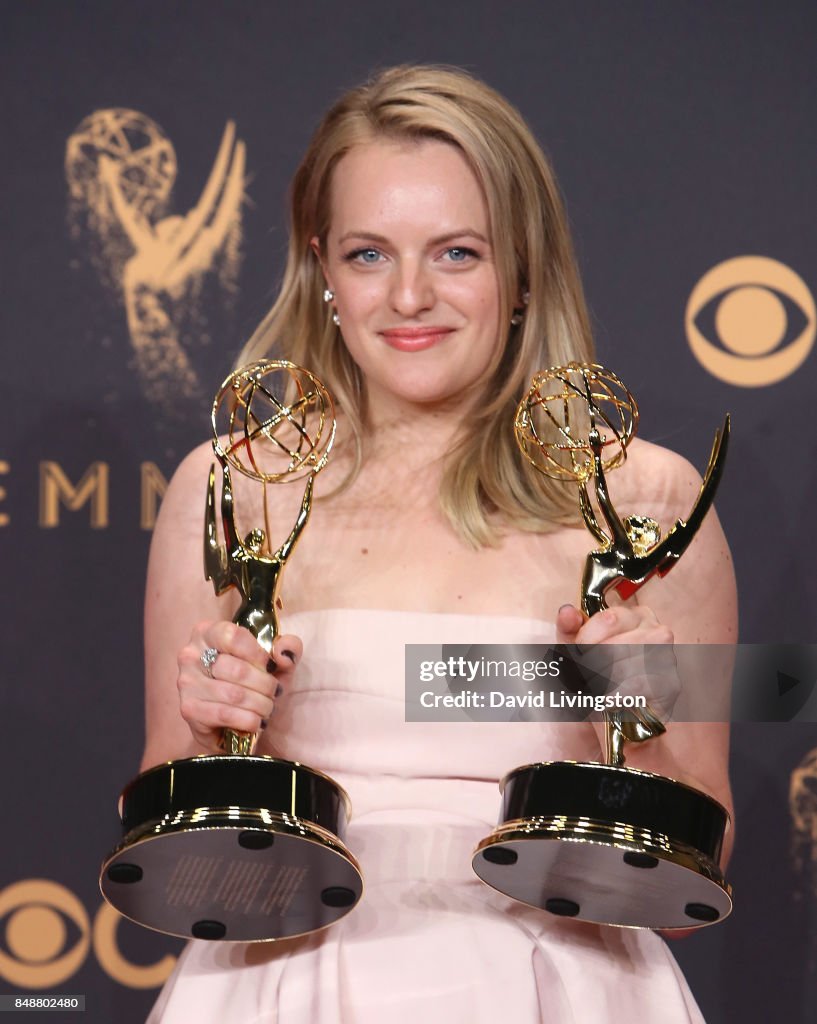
pixel 243 683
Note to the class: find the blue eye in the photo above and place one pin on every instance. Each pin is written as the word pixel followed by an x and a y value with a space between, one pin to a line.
pixel 459 254
pixel 363 256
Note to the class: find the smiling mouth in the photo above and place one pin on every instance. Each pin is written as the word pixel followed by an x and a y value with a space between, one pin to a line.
pixel 414 339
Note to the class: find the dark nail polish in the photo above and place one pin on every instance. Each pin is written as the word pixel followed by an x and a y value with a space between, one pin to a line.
pixel 264 723
pixel 272 666
pixel 290 655
pixel 279 690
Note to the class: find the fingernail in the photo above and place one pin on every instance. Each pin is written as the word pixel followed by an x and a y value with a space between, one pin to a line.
pixel 272 666
pixel 279 690
pixel 290 655
pixel 562 607
pixel 264 723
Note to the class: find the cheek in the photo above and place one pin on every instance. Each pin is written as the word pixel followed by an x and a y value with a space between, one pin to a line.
pixel 356 298
pixel 479 295
pixel 484 312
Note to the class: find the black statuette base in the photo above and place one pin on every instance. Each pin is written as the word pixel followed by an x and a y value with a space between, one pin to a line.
pixel 610 845
pixel 232 848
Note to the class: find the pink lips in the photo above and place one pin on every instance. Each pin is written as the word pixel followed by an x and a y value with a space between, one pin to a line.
pixel 414 339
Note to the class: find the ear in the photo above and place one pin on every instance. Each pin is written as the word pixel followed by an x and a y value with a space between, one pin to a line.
pixel 315 245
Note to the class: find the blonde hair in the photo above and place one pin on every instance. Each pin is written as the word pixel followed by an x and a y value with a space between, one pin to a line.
pixel 486 483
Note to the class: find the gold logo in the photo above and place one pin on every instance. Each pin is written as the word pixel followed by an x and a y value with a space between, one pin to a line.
pixel 106 923
pixel 36 933
pixel 38 913
pixel 58 492
pixel 121 168
pixel 751 303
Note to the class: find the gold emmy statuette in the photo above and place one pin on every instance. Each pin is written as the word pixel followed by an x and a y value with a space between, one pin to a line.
pixel 235 846
pixel 604 842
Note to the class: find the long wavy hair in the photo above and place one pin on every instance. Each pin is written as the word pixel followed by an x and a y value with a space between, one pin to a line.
pixel 487 485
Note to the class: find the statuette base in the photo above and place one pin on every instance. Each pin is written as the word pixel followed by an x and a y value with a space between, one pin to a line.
pixel 233 873
pixel 610 845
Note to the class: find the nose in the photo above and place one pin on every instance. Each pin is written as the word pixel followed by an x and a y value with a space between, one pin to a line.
pixel 412 290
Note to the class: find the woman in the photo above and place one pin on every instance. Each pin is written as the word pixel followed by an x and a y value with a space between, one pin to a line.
pixel 430 274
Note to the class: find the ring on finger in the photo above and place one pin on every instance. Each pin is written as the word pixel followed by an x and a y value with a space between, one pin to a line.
pixel 208 659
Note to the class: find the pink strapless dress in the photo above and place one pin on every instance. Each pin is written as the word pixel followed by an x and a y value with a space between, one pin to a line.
pixel 429 943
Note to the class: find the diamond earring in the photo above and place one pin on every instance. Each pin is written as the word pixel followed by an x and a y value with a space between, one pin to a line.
pixel 519 314
pixel 328 296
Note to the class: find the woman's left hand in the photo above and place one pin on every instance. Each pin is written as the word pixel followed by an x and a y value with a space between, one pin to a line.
pixel 628 649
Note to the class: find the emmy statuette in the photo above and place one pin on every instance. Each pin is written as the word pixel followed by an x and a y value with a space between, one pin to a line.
pixel 233 846
pixel 604 842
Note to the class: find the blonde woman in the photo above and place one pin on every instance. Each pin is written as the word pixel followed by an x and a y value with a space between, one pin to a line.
pixel 430 272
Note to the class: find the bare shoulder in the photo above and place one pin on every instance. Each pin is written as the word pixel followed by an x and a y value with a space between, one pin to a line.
pixel 184 499
pixel 183 505
pixel 177 542
pixel 655 481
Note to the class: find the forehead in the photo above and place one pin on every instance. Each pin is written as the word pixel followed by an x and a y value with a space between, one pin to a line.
pixel 427 184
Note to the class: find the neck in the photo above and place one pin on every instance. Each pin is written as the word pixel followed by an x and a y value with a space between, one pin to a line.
pixel 429 430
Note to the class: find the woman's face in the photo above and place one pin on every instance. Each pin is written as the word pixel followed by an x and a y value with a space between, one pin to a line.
pixel 410 260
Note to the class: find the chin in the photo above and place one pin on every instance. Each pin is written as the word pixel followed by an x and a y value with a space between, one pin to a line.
pixel 426 397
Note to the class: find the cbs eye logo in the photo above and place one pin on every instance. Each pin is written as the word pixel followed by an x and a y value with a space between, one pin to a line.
pixel 48 935
pixel 762 316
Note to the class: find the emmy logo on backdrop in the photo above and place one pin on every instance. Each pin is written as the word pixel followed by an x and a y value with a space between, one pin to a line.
pixel 604 842
pixel 121 168
pixel 236 846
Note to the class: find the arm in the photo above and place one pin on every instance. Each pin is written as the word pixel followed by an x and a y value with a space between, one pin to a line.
pixel 131 221
pixel 618 535
pixel 589 516
pixel 285 549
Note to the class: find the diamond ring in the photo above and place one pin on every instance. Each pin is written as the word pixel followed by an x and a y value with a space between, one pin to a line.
pixel 208 659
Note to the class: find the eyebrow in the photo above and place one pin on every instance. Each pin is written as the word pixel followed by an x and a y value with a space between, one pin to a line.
pixel 438 240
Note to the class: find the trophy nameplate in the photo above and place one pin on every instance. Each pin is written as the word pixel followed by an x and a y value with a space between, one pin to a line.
pixel 604 842
pixel 233 846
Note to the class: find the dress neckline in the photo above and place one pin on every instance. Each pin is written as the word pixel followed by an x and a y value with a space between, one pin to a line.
pixel 415 614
